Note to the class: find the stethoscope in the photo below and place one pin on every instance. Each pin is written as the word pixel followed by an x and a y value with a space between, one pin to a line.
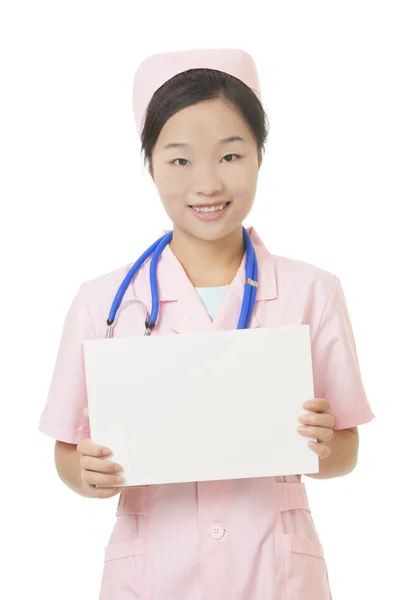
pixel 156 249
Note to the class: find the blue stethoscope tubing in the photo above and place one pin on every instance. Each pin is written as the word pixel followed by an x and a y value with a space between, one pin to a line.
pixel 156 249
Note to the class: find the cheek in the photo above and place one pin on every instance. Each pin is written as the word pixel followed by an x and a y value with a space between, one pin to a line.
pixel 172 192
pixel 174 188
pixel 173 200
pixel 242 184
pixel 171 185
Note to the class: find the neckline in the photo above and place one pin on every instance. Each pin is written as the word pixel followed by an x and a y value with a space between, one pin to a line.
pixel 213 287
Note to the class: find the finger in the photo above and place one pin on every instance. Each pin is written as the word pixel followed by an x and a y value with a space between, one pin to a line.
pixel 320 433
pixel 100 492
pixel 317 404
pixel 89 448
pixel 100 465
pixel 318 420
pixel 320 449
pixel 93 478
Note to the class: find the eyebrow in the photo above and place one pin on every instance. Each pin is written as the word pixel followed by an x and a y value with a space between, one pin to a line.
pixel 232 138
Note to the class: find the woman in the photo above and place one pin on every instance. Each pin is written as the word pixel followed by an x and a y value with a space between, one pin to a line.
pixel 203 130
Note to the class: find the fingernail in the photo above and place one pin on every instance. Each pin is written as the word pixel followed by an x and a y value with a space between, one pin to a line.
pixel 106 451
pixel 119 479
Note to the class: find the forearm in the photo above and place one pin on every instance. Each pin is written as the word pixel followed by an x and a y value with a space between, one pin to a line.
pixel 343 457
pixel 68 466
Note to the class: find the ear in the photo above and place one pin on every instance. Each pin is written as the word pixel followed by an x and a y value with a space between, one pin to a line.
pixel 150 170
pixel 260 158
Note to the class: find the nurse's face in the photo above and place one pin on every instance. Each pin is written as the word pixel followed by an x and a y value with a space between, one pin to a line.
pixel 196 167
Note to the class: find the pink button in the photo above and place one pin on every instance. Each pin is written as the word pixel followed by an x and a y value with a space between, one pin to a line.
pixel 216 531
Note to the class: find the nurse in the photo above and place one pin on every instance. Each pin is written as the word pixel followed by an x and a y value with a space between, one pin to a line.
pixel 203 131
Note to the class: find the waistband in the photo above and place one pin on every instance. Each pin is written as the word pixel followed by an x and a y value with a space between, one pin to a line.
pixel 289 496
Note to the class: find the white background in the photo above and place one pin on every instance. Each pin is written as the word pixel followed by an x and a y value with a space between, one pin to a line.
pixel 76 202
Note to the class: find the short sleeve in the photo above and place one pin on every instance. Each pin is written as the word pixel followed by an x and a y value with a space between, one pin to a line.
pixel 64 416
pixel 336 369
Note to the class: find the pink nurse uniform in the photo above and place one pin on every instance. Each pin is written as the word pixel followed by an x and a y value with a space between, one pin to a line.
pixel 249 539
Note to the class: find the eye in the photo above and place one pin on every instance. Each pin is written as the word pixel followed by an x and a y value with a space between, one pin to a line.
pixel 184 159
pixel 237 156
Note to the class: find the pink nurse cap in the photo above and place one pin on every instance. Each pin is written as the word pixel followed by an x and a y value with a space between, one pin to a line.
pixel 158 68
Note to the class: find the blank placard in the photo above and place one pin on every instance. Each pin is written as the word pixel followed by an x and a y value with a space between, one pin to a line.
pixel 204 406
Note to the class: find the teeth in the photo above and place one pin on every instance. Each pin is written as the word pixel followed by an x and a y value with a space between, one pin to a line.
pixel 209 208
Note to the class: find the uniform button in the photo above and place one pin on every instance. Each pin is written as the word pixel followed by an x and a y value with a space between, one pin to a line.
pixel 216 531
pixel 86 411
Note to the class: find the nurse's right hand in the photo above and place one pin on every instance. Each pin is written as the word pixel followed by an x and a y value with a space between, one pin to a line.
pixel 96 470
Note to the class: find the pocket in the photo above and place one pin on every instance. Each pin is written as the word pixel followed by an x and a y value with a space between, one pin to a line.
pixel 125 571
pixel 125 549
pixel 305 569
pixel 302 545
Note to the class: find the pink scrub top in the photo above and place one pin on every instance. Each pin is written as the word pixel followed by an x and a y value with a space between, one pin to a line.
pixel 249 539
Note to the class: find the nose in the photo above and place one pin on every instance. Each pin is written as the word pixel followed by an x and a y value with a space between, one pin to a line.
pixel 207 180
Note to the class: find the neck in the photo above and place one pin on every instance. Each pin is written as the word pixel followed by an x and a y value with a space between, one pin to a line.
pixel 209 263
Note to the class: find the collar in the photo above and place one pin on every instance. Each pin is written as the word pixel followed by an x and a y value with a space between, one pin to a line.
pixel 189 314
pixel 171 273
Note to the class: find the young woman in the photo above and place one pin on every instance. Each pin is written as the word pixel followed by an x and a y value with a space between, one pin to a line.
pixel 203 130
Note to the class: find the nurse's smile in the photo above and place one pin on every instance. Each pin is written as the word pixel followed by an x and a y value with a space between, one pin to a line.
pixel 211 211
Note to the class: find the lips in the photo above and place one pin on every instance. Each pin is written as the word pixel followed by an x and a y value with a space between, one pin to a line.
pixel 207 204
pixel 207 208
pixel 210 212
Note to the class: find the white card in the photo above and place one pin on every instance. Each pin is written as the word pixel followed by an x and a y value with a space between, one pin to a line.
pixel 204 406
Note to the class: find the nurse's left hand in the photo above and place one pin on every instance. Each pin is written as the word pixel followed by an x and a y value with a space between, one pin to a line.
pixel 317 424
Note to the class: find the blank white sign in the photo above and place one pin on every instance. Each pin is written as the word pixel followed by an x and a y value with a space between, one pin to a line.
pixel 204 406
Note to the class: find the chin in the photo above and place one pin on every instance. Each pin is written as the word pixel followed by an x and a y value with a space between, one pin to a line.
pixel 211 232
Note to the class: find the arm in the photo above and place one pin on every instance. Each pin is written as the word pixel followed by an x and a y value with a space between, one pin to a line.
pixel 68 465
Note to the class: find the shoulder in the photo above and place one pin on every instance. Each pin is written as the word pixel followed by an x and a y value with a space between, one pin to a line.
pixel 294 276
pixel 304 276
pixel 99 292
pixel 309 290
pixel 104 283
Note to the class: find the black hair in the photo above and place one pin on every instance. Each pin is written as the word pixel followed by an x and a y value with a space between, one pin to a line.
pixel 193 86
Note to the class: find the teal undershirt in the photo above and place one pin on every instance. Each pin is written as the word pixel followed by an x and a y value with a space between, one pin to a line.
pixel 212 298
